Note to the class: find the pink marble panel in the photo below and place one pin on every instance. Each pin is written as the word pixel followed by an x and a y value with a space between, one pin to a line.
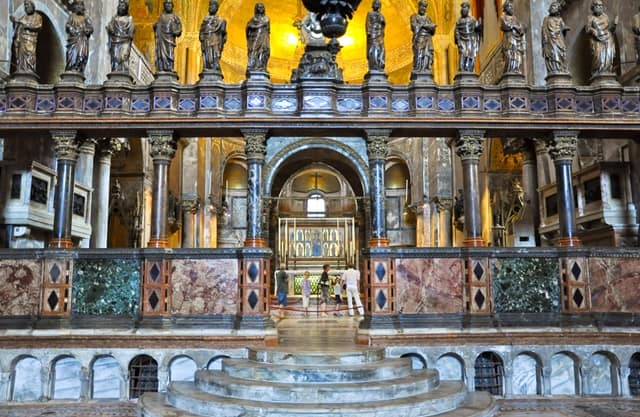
pixel 614 284
pixel 429 285
pixel 204 286
pixel 20 282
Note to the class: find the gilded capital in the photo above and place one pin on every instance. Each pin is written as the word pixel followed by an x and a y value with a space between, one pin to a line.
pixel 163 146
pixel 65 144
pixel 255 143
pixel 377 147
pixel 563 145
pixel 470 144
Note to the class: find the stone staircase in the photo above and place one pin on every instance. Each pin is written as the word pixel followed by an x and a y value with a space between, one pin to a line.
pixel 293 383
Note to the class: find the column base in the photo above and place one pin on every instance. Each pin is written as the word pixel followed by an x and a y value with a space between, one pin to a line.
pixel 255 242
pixel 158 242
pixel 379 242
pixel 474 242
pixel 61 243
pixel 569 241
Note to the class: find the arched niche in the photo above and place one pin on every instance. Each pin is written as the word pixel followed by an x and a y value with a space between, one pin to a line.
pixel 66 372
pixel 106 378
pixel 450 367
pixel 182 368
pixel 527 375
pixel 26 380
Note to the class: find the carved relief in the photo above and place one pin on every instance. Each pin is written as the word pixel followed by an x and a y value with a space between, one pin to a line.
pixel 470 144
pixel 377 147
pixel 163 147
pixel 563 146
pixel 255 146
pixel 65 145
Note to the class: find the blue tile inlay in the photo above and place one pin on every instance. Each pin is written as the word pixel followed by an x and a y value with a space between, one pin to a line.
pixel 54 273
pixel 400 105
pixel 378 102
pixel 256 101
pixel 162 103
pixel 232 103
pixel 154 273
pixel 66 103
pixel 317 102
pixel 584 105
pixel 140 104
pixel 564 103
pixel 3 104
pixel 539 104
pixel 610 104
pixel 471 103
pixel 381 299
pixel 517 103
pixel 628 105
pixel 381 271
pixel 18 102
pixel 446 104
pixel 253 300
pixel 208 102
pixel 253 271
pixel 114 102
pixel 284 104
pixel 424 102
pixel 92 104
pixel 492 104
pixel 187 104
pixel 45 104
pixel 349 104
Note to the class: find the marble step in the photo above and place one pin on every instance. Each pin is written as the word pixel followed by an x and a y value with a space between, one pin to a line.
pixel 351 356
pixel 185 396
pixel 216 382
pixel 330 373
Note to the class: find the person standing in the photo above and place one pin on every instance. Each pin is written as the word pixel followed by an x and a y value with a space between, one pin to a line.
pixel 467 36
pixel 375 38
pixel 167 29
pixel 337 293
pixel 306 292
pixel 282 284
pixel 79 29
pixel 25 39
pixel 258 33
pixel 423 30
pixel 600 31
pixel 325 283
pixel 120 30
pixel 351 278
pixel 213 36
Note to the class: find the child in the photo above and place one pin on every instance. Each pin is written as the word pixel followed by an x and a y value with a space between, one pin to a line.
pixel 337 291
pixel 306 293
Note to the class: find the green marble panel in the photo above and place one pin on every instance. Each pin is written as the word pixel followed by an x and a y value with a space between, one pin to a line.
pixel 526 285
pixel 106 287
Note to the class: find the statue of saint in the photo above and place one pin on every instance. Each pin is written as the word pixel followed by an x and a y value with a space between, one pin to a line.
pixel 423 29
pixel 213 35
pixel 600 31
pixel 513 41
pixel 375 38
pixel 468 33
pixel 25 39
pixel 120 30
pixel 553 44
pixel 79 29
pixel 258 33
pixel 636 32
pixel 167 29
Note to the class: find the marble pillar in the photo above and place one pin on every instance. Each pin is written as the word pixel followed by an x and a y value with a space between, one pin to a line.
pixel 5 384
pixel 445 229
pixel 377 150
pixel 100 212
pixel 469 147
pixel 562 149
pixel 163 148
pixel 66 152
pixel 190 210
pixel 530 184
pixel 255 150
pixel 84 173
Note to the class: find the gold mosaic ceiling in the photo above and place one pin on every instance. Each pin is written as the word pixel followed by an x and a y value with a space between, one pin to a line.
pixel 286 47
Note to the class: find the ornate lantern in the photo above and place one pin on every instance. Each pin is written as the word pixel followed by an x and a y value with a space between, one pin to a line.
pixel 333 14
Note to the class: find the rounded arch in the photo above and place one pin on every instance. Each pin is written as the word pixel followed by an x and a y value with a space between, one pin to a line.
pixel 418 361
pixel 106 377
pixel 300 152
pixel 66 373
pixel 216 362
pixel 450 366
pixel 489 377
pixel 527 374
pixel 26 379
pixel 182 368
pixel 143 376
pixel 603 373
pixel 565 373
pixel 634 374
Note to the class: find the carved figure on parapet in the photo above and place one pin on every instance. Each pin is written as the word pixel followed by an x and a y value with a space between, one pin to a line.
pixel 120 30
pixel 79 28
pixel 636 33
pixel 258 32
pixel 513 41
pixel 213 36
pixel 554 47
pixel 167 29
pixel 375 26
pixel 600 31
pixel 468 33
pixel 423 30
pixel 25 40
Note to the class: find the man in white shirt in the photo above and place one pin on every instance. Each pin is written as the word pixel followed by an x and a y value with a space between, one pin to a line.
pixel 351 277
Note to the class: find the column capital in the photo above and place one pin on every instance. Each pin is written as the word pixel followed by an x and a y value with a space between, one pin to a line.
pixel 190 206
pixel 470 144
pixel 377 147
pixel 563 146
pixel 109 146
pixel 443 204
pixel 65 144
pixel 163 145
pixel 254 143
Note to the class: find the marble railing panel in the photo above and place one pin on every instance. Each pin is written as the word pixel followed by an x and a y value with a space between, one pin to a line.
pixel 20 282
pixel 204 286
pixel 525 285
pixel 106 287
pixel 429 285
pixel 614 284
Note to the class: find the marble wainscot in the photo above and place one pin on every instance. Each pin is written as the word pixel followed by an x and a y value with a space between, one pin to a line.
pixel 204 286
pixel 20 283
pixel 614 284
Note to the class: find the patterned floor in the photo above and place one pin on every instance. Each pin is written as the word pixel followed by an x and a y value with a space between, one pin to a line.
pixel 588 407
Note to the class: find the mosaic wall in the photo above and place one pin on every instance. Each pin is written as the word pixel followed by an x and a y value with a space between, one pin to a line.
pixel 614 284
pixel 118 295
pixel 204 286
pixel 20 282
pixel 429 285
pixel 526 285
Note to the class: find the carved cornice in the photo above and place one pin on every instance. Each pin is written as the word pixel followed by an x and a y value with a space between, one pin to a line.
pixel 470 144
pixel 255 143
pixel 163 146
pixel 377 147
pixel 563 145
pixel 65 144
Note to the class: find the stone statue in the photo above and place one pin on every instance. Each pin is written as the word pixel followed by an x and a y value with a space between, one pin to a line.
pixel 213 35
pixel 600 31
pixel 467 34
pixel 636 32
pixel 79 29
pixel 120 30
pixel 423 29
pixel 310 30
pixel 167 29
pixel 375 38
pixel 513 41
pixel 258 33
pixel 25 39
pixel 553 44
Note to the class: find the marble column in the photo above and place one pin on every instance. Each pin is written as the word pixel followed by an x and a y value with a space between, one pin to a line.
pixel 163 148
pixel 84 174
pixel 66 151
pixel 562 149
pixel 445 230
pixel 255 149
pixel 100 218
pixel 5 383
pixel 546 379
pixel 469 147
pixel 377 150
pixel 530 184
pixel 190 210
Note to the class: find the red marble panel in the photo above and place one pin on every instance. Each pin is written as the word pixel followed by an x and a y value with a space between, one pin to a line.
pixel 614 284
pixel 429 285
pixel 204 286
pixel 20 282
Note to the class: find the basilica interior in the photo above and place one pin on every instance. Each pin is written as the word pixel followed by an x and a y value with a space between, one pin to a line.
pixel 493 216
